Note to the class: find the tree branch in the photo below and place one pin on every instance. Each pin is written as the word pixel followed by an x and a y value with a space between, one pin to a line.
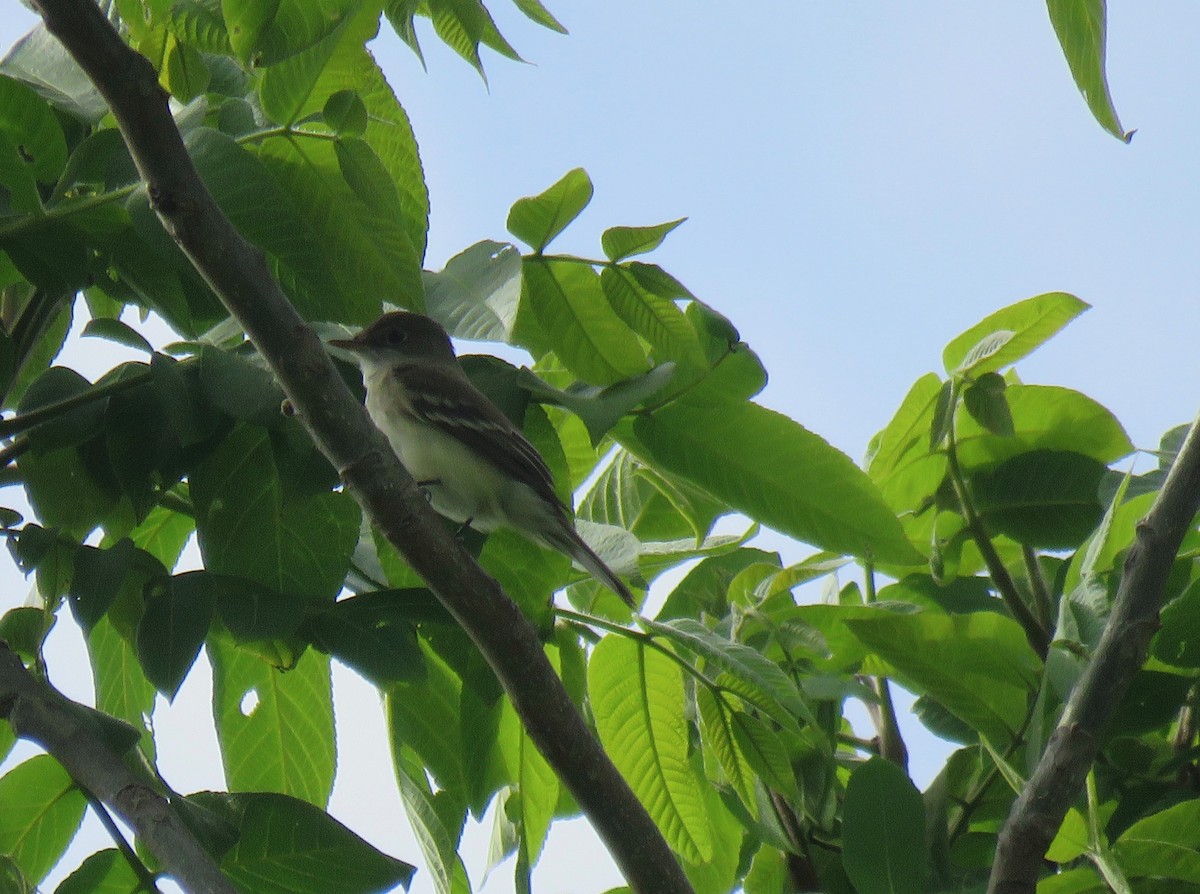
pixel 40 713
pixel 1060 774
pixel 238 273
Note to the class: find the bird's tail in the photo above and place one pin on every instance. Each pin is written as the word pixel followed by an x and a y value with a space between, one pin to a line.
pixel 566 539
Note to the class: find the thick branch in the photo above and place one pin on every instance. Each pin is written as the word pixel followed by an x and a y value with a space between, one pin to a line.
pixel 1060 774
pixel 40 713
pixel 237 272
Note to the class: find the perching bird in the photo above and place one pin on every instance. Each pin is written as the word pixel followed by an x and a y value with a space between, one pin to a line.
pixel 474 464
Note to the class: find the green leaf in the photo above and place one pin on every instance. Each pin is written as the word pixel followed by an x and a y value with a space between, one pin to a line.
pixel 580 325
pixel 267 209
pixel 1177 641
pixel 299 84
pixel 23 629
pixel 28 122
pixel 118 332
pixel 638 701
pixel 718 736
pixel 765 753
pixel 438 844
pixel 653 317
pixel 369 634
pixel 173 627
pixel 247 22
pixel 287 846
pixel 600 408
pixel 477 294
pixel 1080 27
pixel 187 75
pixel 1163 845
pixel 122 690
pixel 43 63
pixel 425 715
pixel 537 786
pixel 536 11
pixel 104 872
pixel 275 727
pixel 984 400
pixel 1044 418
pixel 883 831
pixel 622 242
pixel 1006 336
pixel 42 811
pixel 370 255
pixel 252 612
pixel 978 666
pixel 97 578
pixel 768 872
pixel 200 25
pixel 57 385
pixel 775 471
pixel 246 528
pixel 1044 499
pixel 346 113
pixel 765 684
pixel 536 220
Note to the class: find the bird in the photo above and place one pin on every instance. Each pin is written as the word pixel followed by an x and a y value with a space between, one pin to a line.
pixel 475 467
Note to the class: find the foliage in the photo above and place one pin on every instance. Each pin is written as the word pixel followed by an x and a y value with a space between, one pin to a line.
pixel 988 503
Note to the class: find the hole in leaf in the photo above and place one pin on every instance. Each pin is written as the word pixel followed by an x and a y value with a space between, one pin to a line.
pixel 249 703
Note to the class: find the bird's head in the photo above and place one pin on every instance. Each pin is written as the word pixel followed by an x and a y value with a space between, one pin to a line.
pixel 399 335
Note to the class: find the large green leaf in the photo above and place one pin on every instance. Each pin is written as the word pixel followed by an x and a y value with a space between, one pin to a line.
pixel 1163 845
pixel 42 811
pixel 1177 641
pixel 637 698
pixel 476 295
pixel 718 736
pixel 775 471
pixel 275 727
pixel 425 716
pixel 43 63
pixel 122 690
pixel 173 627
pixel 764 682
pixel 883 831
pixel 1044 418
pixel 653 317
pixel 537 787
pixel 1046 498
pixel 287 846
pixel 1003 338
pixel 536 220
pixel 370 634
pixel 247 528
pixel 579 324
pixel 26 120
pixel 979 666
pixel 104 872
pixel 301 83
pixel 437 842
pixel 370 252
pixel 623 242
pixel 269 217
pixel 1080 26
pixel 247 21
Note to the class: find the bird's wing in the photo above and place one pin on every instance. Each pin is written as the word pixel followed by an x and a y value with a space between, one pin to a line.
pixel 449 402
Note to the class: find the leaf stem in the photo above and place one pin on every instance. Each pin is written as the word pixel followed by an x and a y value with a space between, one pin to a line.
pixel 891 742
pixel 64 210
pixel 1037 583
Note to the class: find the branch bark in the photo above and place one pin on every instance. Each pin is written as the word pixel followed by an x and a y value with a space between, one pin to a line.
pixel 1060 774
pixel 238 273
pixel 42 714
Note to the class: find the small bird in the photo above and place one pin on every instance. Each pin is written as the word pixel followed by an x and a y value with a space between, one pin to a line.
pixel 476 467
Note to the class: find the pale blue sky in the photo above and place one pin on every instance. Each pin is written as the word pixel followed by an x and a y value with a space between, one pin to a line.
pixel 863 182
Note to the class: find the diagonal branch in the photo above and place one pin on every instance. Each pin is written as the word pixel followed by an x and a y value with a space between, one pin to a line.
pixel 40 713
pixel 238 273
pixel 1060 774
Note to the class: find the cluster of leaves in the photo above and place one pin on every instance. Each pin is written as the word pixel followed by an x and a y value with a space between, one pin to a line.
pixel 989 502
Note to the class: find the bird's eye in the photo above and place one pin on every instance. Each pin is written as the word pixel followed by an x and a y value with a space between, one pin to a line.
pixel 396 336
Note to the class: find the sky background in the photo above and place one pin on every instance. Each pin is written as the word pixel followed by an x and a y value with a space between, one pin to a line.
pixel 863 181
